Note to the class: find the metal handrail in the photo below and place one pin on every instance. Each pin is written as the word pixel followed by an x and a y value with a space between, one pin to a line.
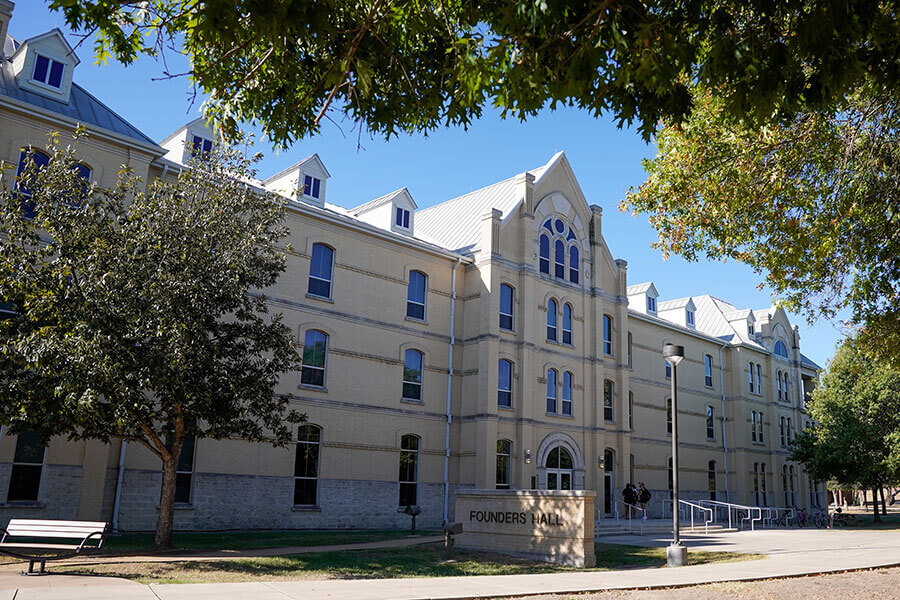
pixel 698 507
pixel 629 513
pixel 738 507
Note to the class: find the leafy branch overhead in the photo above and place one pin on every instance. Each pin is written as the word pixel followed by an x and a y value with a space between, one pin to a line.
pixel 413 65
pixel 136 311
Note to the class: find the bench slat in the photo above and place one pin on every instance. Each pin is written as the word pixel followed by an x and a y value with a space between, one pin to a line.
pixel 39 546
pixel 54 523
pixel 53 529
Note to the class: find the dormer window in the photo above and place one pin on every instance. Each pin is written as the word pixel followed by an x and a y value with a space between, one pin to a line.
pixel 311 186
pixel 690 318
pixel 200 146
pixel 751 329
pixel 48 71
pixel 401 218
pixel 651 304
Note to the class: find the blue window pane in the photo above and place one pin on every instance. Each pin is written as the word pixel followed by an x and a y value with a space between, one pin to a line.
pixel 571 235
pixel 307 185
pixel 551 320
pixel 406 219
pixel 567 324
pixel 41 66
pixel 560 256
pixel 551 391
pixel 506 307
pixel 415 295
pixel 548 226
pixel 315 187
pixel 320 270
pixel 399 218
pixel 41 160
pixel 56 73
pixel 545 254
pixel 559 226
pixel 574 265
pixel 207 146
pixel 504 383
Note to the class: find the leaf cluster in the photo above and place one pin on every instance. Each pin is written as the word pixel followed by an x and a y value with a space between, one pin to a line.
pixel 414 65
pixel 136 310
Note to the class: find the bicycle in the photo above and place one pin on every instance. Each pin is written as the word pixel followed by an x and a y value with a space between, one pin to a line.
pixel 803 520
pixel 784 520
pixel 820 519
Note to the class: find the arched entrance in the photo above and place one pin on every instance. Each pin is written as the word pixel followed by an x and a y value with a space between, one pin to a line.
pixel 560 463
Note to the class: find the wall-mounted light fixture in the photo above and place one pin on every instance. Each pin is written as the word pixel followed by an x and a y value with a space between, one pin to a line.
pixel 527 457
pixel 600 462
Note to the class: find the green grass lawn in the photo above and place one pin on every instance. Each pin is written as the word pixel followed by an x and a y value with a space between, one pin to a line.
pixel 866 521
pixel 128 543
pixel 418 561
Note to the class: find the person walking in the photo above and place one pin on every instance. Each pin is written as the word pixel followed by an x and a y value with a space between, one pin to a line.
pixel 643 496
pixel 630 498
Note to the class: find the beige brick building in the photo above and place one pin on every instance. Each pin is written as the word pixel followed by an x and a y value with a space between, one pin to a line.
pixel 492 340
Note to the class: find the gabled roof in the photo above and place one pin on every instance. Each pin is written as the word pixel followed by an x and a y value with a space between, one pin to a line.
pixel 710 317
pixel 640 288
pixel 807 362
pixel 182 128
pixel 673 304
pixel 454 224
pixel 55 32
pixel 389 197
pixel 297 165
pixel 740 315
pixel 82 107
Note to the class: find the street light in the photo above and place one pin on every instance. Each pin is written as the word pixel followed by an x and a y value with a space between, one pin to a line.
pixel 676 554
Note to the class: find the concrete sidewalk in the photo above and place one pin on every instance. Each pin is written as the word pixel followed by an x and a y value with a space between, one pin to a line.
pixel 791 553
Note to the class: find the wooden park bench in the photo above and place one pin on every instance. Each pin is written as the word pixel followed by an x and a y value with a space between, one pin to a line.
pixel 28 539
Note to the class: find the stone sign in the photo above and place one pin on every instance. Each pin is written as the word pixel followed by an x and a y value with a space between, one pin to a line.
pixel 552 526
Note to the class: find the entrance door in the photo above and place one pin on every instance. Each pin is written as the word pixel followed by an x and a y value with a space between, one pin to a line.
pixel 559 469
pixel 609 482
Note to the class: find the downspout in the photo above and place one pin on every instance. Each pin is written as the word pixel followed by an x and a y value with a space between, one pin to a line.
pixel 449 394
pixel 120 475
pixel 724 438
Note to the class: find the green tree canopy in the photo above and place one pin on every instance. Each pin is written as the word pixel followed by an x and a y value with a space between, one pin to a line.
pixel 412 65
pixel 136 311
pixel 812 203
pixel 856 437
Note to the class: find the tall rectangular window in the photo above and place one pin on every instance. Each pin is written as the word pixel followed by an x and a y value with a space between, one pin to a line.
pixel 28 462
pixel 669 416
pixel 415 295
pixel 315 350
pixel 567 324
pixel 504 464
pixel 504 383
pixel 608 395
pixel 320 270
pixel 689 316
pixel 507 300
pixel 200 146
pixel 306 465
pixel 710 423
pixel 751 372
pixel 409 470
pixel 630 410
pixel 607 335
pixel 551 320
pixel 567 394
pixel 753 425
pixel 551 391
pixel 630 350
pixel 402 218
pixel 781 428
pixel 707 370
pixel 184 473
pixel 651 304
pixel 711 479
pixel 759 427
pixel 412 375
pixel 759 387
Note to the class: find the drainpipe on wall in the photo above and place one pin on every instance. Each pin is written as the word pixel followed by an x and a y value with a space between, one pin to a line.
pixel 119 477
pixel 724 438
pixel 449 395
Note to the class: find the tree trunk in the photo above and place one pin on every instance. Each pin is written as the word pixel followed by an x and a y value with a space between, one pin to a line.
pixel 877 517
pixel 883 502
pixel 164 524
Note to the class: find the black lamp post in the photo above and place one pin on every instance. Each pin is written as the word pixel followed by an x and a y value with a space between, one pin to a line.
pixel 676 554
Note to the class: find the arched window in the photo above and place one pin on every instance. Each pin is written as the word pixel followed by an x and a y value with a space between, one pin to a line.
pixel 710 423
pixel 306 465
pixel 631 410
pixel 412 376
pixel 551 320
pixel 759 387
pixel 315 351
pixel 544 261
pixel 560 259
pixel 707 370
pixel 753 425
pixel 567 394
pixel 559 467
pixel 780 349
pixel 608 395
pixel 415 295
pixel 504 464
pixel 752 379
pixel 711 479
pixel 779 385
pixel 781 428
pixel 669 416
pixel 409 470
pixel 790 431
pixel 507 302
pixel 40 160
pixel 574 267
pixel 320 271
pixel 551 391
pixel 504 383
pixel 567 324
pixel 607 335
pixel 759 427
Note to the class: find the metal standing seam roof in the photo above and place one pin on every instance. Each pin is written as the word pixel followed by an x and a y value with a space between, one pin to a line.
pixel 673 304
pixel 379 201
pixel 454 224
pixel 82 107
pixel 639 288
pixel 807 362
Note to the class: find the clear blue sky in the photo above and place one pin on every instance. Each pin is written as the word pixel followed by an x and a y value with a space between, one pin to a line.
pixel 447 163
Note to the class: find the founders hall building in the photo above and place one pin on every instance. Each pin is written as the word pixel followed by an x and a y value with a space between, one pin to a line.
pixel 489 341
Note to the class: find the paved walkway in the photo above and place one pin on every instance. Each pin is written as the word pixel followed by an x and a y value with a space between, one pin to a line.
pixel 791 552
